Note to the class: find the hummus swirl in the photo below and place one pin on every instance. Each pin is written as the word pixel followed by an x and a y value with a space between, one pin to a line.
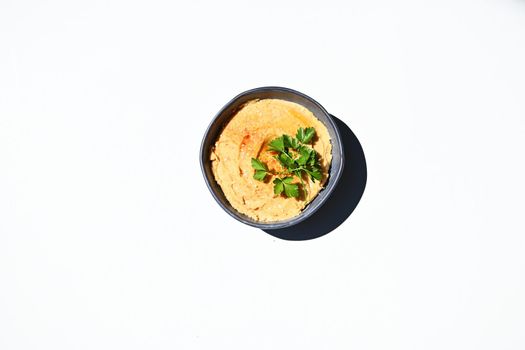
pixel 246 136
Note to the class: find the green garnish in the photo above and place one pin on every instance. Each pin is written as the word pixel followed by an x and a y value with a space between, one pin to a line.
pixel 260 169
pixel 297 158
pixel 277 144
pixel 290 189
pixel 305 135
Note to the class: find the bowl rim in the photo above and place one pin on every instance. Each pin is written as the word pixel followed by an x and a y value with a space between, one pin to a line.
pixel 334 174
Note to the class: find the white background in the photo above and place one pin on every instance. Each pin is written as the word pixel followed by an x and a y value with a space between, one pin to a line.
pixel 109 238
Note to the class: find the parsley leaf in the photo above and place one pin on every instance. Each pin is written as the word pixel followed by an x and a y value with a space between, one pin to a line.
pixel 277 144
pixel 278 187
pixel 290 142
pixel 285 184
pixel 306 154
pixel 286 160
pixel 305 135
pixel 260 169
pixel 290 189
pixel 258 165
pixel 313 161
pixel 288 180
pixel 259 175
pixel 315 174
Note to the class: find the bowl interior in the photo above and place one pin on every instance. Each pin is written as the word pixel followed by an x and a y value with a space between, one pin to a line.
pixel 227 112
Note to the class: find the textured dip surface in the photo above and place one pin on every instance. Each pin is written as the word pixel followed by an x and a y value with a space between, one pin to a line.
pixel 246 136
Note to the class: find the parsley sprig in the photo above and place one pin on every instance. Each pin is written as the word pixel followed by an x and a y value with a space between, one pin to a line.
pixel 296 157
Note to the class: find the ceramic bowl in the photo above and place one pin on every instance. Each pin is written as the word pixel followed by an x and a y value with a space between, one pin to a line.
pixel 227 112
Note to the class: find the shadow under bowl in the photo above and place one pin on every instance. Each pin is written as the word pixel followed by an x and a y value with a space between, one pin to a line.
pixel 228 111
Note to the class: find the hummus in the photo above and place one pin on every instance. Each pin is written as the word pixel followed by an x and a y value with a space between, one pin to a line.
pixel 246 136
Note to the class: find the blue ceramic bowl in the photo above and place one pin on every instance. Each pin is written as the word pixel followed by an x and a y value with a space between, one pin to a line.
pixel 227 112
